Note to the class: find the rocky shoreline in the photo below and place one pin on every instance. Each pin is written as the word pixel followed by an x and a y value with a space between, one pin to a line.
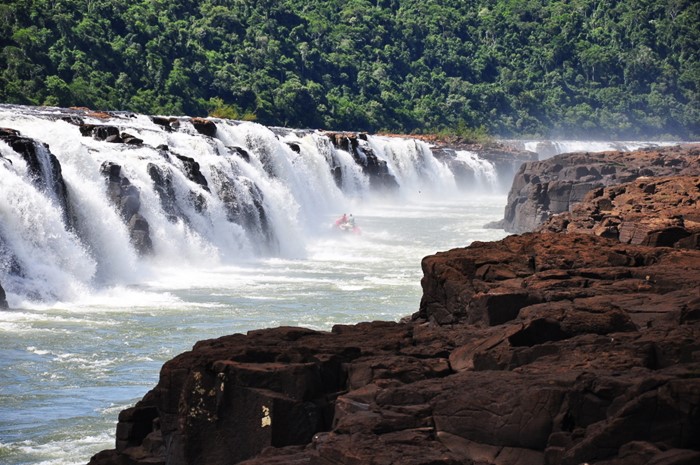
pixel 660 212
pixel 565 346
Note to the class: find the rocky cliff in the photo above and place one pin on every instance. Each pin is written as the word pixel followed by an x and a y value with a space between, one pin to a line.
pixel 662 211
pixel 537 349
pixel 544 188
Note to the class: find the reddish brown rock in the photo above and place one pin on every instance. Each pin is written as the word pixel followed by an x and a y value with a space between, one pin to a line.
pixel 545 188
pixel 204 126
pixel 553 349
pixel 459 286
pixel 660 212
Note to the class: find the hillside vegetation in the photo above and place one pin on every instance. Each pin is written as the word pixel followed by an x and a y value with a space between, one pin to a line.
pixel 575 68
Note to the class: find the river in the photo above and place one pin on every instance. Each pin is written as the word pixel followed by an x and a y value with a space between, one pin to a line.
pixel 91 322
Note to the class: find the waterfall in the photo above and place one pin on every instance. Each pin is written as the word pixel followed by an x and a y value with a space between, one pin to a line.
pixel 40 258
pixel 415 168
pixel 483 171
pixel 549 148
pixel 117 198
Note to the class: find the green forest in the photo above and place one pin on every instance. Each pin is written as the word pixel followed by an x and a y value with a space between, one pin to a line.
pixel 512 68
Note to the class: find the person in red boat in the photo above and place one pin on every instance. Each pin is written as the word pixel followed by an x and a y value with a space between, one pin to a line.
pixel 341 221
pixel 347 223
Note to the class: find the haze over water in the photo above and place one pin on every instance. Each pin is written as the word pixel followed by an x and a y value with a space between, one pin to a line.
pixel 68 368
pixel 91 322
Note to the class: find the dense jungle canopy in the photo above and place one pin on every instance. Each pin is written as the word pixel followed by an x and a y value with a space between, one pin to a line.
pixel 573 68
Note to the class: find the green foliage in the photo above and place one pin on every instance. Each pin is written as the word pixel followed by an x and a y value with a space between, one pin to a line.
pixel 219 109
pixel 466 134
pixel 570 68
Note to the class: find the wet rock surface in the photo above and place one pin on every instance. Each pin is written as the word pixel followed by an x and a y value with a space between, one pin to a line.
pixel 3 298
pixel 356 145
pixel 203 126
pixel 127 199
pixel 43 167
pixel 545 188
pixel 538 349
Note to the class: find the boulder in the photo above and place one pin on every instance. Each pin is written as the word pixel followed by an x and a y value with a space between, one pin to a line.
pixel 169 124
pixel 192 171
pixel 108 133
pixel 129 139
pixel 101 132
pixel 204 126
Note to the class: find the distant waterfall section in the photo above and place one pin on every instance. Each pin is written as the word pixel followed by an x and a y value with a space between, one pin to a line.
pixel 548 148
pixel 91 200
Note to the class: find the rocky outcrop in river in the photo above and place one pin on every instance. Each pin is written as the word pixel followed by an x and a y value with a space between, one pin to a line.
pixel 538 349
pixel 3 301
pixel 545 188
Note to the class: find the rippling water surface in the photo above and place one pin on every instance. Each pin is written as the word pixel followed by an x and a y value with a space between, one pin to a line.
pixel 68 369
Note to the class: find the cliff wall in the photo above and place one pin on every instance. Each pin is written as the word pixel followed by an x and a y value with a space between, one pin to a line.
pixel 544 188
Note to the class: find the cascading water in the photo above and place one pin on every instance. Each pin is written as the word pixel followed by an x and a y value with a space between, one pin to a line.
pixel 484 172
pixel 247 192
pixel 413 165
pixel 42 257
pixel 549 148
pixel 139 236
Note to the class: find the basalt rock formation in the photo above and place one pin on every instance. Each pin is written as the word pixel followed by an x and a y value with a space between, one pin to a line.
pixel 46 172
pixel 43 167
pixel 3 298
pixel 545 188
pixel 660 212
pixel 555 349
pixel 356 145
pixel 108 133
pixel 127 198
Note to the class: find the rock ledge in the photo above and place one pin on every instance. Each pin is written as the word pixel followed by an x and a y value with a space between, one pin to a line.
pixel 537 349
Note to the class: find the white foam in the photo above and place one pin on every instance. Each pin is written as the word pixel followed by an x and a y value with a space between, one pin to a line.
pixel 96 340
